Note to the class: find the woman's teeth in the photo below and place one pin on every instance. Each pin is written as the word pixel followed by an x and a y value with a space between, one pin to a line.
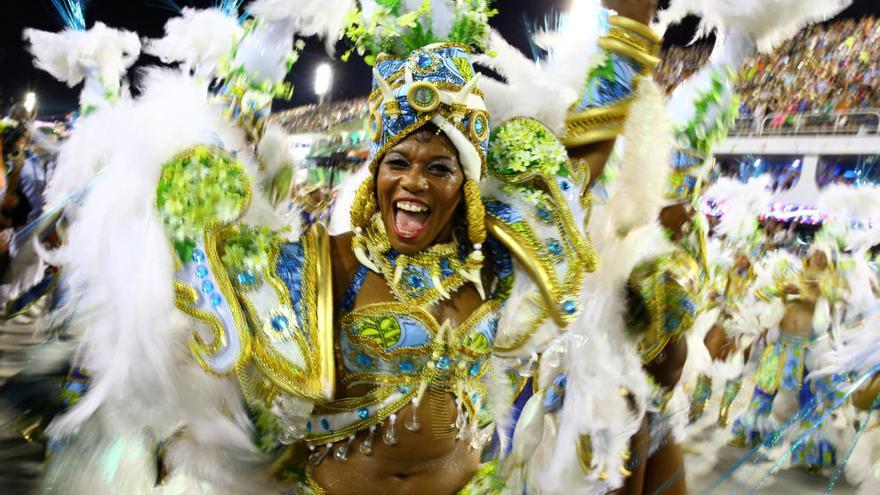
pixel 411 206
pixel 410 218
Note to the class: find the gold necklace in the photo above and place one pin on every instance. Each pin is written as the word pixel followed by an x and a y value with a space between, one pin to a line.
pixel 422 279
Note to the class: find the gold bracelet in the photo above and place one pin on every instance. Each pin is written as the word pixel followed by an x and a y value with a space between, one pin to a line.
pixel 637 27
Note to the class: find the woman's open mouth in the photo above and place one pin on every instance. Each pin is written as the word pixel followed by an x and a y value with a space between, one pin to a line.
pixel 410 218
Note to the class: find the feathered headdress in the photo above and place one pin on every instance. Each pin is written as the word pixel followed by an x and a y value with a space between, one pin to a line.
pixel 421 51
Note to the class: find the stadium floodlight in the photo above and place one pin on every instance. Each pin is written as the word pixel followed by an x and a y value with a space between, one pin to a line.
pixel 30 102
pixel 323 80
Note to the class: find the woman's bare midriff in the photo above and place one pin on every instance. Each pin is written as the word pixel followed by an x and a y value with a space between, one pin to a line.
pixel 798 319
pixel 429 461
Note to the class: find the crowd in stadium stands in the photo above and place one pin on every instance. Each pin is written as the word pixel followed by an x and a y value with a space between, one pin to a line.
pixel 828 68
pixel 314 118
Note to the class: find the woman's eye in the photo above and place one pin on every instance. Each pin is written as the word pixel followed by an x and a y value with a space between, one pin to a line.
pixel 440 168
pixel 397 164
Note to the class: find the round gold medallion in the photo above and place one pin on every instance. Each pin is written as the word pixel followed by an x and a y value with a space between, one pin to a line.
pixel 479 125
pixel 423 96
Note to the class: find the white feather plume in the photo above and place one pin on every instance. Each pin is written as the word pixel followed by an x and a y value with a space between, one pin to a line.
pixel 742 204
pixel 768 22
pixel 843 204
pixel 101 53
pixel 198 39
pixel 644 172
pixel 324 18
pixel 863 468
pixel 543 90
pixel 132 339
pixel 527 89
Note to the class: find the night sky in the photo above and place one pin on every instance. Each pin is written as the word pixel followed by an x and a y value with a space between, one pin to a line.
pixel 17 74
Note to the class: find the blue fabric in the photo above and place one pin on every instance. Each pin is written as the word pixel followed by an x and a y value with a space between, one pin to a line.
pixel 353 290
pixel 291 260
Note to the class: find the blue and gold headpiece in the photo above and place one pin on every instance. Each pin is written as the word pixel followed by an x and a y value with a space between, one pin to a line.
pixel 424 74
pixel 437 84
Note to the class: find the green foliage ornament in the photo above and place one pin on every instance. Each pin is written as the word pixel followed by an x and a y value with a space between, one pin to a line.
pixel 385 26
pixel 523 145
pixel 198 187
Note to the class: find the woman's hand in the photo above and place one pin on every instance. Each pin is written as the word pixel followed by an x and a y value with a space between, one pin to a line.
pixel 637 10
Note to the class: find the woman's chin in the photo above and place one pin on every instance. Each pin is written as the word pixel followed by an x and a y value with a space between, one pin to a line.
pixel 408 246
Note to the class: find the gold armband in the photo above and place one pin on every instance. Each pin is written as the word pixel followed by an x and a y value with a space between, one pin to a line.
pixel 635 40
pixel 595 124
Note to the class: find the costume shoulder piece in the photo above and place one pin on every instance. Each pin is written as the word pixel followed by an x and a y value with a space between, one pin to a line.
pixel 532 198
pixel 258 295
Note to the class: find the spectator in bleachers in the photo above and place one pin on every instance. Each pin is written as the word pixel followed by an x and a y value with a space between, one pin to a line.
pixel 833 67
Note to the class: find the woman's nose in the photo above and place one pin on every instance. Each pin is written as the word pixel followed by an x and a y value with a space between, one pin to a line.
pixel 413 180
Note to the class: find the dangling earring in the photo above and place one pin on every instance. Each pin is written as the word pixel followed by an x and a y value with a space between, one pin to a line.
pixel 364 206
pixel 362 211
pixel 476 220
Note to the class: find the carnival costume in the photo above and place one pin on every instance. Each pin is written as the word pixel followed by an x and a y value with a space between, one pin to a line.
pixel 733 309
pixel 206 322
pixel 260 320
pixel 784 366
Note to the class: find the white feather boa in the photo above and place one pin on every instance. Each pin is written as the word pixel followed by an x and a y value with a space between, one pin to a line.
pixel 145 385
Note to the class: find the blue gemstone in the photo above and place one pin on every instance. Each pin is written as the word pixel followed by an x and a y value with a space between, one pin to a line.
pixel 405 389
pixel 543 214
pixel 246 278
pixel 565 185
pixel 475 369
pixel 407 367
pixel 364 360
pixel 415 281
pixel 208 286
pixel 202 271
pixel 569 307
pixel 479 125
pixel 216 300
pixel 198 255
pixel 443 363
pixel 423 60
pixel 280 322
pixel 309 427
pixel 363 413
pixel 555 247
pixel 325 424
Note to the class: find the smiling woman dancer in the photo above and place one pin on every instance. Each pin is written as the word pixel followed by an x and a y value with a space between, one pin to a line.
pixel 385 360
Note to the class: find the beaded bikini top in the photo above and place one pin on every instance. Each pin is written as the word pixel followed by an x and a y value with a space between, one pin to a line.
pixel 402 350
